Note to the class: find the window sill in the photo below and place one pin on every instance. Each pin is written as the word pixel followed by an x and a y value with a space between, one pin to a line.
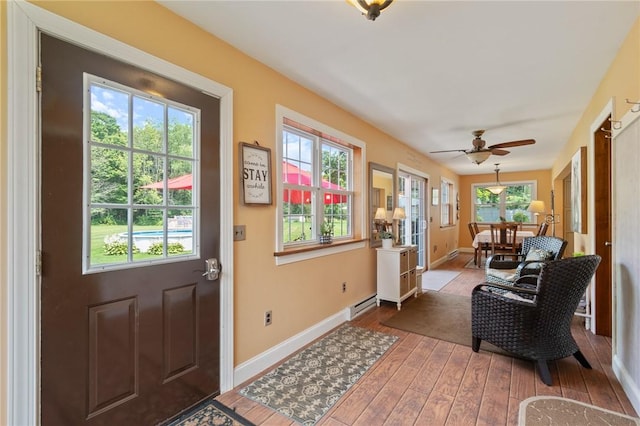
pixel 317 250
pixel 447 226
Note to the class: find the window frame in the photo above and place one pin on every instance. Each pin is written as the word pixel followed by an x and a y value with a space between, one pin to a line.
pixel 502 196
pixel 446 203
pixel 289 253
pixel 87 267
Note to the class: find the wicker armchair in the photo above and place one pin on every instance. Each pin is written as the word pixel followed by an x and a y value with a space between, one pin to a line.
pixel 538 329
pixel 505 270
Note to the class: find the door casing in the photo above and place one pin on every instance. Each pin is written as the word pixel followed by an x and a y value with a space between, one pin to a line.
pixel 23 21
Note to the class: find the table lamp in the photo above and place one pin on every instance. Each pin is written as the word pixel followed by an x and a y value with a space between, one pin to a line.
pixel 380 218
pixel 399 214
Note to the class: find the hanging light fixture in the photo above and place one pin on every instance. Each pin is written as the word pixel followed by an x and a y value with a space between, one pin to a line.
pixel 497 188
pixel 370 8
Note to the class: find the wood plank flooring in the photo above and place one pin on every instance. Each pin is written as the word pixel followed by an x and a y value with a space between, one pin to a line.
pixel 425 381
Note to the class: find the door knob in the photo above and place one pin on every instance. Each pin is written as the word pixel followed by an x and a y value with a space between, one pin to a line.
pixel 608 244
pixel 212 269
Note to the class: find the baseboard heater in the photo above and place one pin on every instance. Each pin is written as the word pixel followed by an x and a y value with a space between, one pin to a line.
pixel 453 254
pixel 360 307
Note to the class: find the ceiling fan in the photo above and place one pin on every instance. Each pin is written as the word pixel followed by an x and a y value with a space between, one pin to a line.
pixel 479 153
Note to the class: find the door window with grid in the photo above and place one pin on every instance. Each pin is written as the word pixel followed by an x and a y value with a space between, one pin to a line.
pixel 140 179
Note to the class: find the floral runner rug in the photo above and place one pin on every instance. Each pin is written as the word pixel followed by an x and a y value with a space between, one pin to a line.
pixel 308 384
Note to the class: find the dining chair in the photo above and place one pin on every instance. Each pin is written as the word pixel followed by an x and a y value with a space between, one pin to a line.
pixel 477 254
pixel 542 229
pixel 504 238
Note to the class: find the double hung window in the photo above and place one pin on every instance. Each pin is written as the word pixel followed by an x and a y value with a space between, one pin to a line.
pixel 511 204
pixel 317 184
pixel 446 204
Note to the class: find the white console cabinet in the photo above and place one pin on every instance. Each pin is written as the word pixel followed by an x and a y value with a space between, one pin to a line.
pixel 396 273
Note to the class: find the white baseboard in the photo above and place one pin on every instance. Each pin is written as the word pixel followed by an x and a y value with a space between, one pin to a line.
pixel 268 358
pixel 630 388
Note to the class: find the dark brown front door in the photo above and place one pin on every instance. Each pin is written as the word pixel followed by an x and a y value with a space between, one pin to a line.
pixel 128 346
pixel 602 193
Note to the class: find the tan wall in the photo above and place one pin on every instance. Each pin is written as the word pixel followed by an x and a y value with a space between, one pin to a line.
pixel 542 177
pixel 300 294
pixel 621 81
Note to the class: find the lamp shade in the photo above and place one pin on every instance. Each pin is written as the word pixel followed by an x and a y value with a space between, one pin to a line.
pixel 536 206
pixel 478 157
pixel 380 214
pixel 496 189
pixel 399 213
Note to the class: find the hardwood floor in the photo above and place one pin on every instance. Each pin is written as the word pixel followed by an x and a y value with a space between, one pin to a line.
pixel 425 381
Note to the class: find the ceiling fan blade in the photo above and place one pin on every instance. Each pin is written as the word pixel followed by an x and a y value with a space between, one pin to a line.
pixel 513 143
pixel 448 150
pixel 499 151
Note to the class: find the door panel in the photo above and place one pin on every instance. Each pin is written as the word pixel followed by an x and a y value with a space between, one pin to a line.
pixel 128 346
pixel 602 193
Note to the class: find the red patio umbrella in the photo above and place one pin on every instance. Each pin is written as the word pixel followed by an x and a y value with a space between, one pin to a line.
pixel 180 182
pixel 294 175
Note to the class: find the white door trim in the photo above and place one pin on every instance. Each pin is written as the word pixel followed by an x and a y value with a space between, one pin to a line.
pixel 23 214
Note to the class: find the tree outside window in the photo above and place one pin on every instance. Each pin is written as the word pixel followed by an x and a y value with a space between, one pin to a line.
pixel 511 204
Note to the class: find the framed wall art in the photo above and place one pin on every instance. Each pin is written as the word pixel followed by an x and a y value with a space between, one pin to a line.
pixel 255 166
pixel 579 191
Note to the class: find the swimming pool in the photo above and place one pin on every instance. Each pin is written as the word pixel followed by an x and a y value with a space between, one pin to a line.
pixel 144 239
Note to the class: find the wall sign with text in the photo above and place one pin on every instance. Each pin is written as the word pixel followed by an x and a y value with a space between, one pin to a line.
pixel 255 162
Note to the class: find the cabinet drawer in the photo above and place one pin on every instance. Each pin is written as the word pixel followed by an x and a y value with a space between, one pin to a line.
pixel 404 261
pixel 404 284
pixel 413 258
pixel 412 279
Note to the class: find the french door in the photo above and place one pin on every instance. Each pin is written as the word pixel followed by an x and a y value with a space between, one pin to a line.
pixel 412 198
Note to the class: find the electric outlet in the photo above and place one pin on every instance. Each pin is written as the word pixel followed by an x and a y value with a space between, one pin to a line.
pixel 268 318
pixel 344 287
pixel 239 233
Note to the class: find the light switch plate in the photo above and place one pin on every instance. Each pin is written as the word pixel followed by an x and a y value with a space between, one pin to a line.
pixel 239 233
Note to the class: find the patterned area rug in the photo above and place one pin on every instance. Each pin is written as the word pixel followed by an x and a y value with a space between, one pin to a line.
pixel 307 385
pixel 553 410
pixel 211 413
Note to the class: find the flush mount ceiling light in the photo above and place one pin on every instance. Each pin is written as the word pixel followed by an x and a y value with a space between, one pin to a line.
pixel 370 8
pixel 497 188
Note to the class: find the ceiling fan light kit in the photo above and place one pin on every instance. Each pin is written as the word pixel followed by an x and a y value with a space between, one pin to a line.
pixel 478 154
pixel 370 8
pixel 478 157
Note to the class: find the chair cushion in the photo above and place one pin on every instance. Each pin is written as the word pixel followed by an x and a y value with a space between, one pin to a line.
pixel 537 254
pixel 514 296
pixel 503 274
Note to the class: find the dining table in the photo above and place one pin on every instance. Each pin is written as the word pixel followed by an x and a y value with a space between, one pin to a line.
pixel 485 237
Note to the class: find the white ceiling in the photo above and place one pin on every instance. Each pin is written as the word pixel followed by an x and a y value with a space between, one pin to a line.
pixel 428 73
